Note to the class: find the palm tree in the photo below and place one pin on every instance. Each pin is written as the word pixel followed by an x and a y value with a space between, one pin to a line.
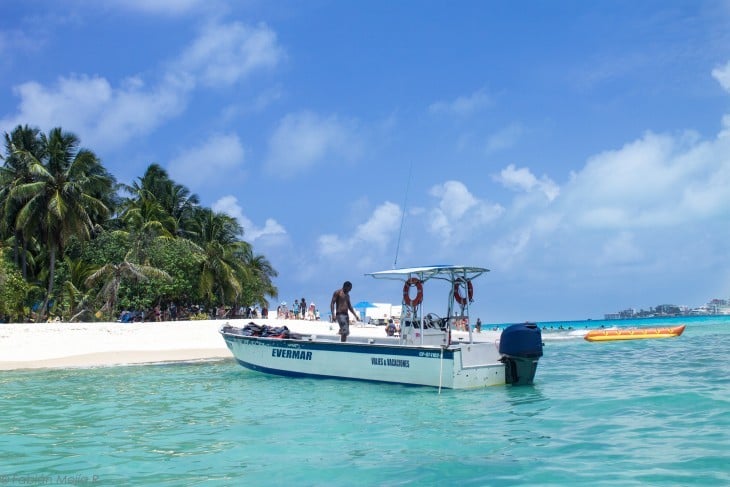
pixel 112 276
pixel 145 220
pixel 64 197
pixel 217 236
pixel 14 172
pixel 151 184
pixel 257 277
pixel 181 204
pixel 175 200
pixel 75 292
pixel 13 289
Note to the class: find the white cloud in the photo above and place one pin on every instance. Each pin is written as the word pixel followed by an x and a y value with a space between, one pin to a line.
pixel 509 247
pixel 455 199
pixel 621 249
pixel 504 138
pixel 99 114
pixel 643 204
pixel 523 180
pixel 725 126
pixel 304 140
pixel 370 237
pixel 635 209
pixel 383 222
pixel 722 75
pixel 217 159
pixel 225 54
pixel 459 212
pixel 15 41
pixel 462 105
pixel 330 245
pixel 655 181
pixel 231 113
pixel 161 7
pixel 105 116
pixel 229 205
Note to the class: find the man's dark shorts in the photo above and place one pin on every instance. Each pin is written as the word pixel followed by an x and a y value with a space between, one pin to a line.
pixel 344 322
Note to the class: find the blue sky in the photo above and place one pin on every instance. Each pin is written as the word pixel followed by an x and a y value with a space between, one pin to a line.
pixel 579 150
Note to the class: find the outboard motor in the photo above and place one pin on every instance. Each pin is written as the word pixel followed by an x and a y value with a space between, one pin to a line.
pixel 521 347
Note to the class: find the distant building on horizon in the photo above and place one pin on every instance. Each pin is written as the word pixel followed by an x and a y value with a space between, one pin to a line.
pixel 712 308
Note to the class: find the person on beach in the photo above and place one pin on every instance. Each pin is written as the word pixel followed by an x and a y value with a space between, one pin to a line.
pixel 478 326
pixel 340 306
pixel 390 328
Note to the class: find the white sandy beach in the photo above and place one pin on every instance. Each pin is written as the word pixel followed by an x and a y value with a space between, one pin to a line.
pixel 58 345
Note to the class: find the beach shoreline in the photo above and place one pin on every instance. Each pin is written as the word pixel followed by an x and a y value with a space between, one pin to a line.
pixel 69 345
pixel 114 359
pixel 62 345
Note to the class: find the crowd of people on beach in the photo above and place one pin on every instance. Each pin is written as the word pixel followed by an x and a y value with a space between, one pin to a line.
pixel 299 311
pixel 172 312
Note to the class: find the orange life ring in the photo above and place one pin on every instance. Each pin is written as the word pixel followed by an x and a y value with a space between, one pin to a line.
pixel 407 300
pixel 469 291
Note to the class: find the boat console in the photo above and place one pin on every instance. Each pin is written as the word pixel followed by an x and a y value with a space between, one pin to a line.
pixel 431 334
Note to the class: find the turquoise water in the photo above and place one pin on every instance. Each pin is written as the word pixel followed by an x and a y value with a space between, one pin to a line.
pixel 649 412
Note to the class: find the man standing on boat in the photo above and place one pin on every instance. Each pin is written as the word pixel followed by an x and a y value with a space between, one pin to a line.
pixel 340 306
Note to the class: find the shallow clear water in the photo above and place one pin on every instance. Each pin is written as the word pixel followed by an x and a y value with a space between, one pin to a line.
pixel 646 412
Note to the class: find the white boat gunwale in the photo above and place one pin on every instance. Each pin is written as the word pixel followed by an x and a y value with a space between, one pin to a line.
pixel 355 345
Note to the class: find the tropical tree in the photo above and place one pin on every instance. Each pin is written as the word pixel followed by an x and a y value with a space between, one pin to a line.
pixel 173 200
pixel 257 278
pixel 75 293
pixel 217 236
pixel 111 277
pixel 182 260
pixel 145 220
pixel 64 197
pixel 15 171
pixel 13 291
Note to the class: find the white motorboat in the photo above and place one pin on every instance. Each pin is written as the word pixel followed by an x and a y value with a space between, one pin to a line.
pixel 422 354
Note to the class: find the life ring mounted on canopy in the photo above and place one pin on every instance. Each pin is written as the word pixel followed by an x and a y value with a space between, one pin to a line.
pixel 407 300
pixel 462 299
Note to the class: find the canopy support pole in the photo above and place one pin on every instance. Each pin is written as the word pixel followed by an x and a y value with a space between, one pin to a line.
pixel 441 369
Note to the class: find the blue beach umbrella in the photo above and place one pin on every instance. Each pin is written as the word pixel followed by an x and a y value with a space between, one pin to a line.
pixel 362 307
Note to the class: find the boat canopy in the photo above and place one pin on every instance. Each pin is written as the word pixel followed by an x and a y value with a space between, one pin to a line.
pixel 447 272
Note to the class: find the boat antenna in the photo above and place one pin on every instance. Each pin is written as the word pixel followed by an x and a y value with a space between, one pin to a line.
pixel 403 216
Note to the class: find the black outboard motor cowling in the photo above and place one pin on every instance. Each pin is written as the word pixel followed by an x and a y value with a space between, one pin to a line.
pixel 521 348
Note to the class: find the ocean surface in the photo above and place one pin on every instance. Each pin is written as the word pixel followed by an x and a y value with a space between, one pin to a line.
pixel 637 413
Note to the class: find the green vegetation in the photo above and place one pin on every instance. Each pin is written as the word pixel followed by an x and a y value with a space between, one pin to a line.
pixel 76 244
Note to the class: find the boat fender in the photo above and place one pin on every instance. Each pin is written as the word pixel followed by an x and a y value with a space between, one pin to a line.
pixel 407 300
pixel 469 291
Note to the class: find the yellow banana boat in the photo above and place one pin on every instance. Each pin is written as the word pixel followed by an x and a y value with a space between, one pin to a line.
pixel 633 334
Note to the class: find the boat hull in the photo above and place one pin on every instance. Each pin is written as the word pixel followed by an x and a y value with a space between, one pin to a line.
pixel 633 334
pixel 464 366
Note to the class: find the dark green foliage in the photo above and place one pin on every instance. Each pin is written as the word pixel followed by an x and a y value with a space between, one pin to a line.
pixel 182 261
pixel 65 227
pixel 13 292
